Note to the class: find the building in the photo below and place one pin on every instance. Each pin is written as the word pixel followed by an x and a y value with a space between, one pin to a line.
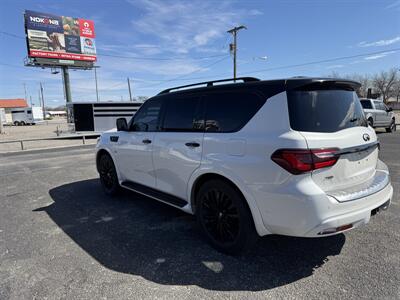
pixel 9 104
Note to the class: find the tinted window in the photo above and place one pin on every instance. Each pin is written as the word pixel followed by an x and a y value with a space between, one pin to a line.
pixel 146 118
pixel 228 112
pixel 324 110
pixel 182 114
pixel 366 104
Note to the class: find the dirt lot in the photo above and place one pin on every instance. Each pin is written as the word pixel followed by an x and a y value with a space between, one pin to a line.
pixel 48 129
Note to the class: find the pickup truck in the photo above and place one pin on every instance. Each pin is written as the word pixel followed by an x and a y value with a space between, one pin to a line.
pixel 378 114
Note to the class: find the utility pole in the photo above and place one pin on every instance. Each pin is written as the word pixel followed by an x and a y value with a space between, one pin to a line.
pixel 26 99
pixel 41 93
pixel 30 97
pixel 233 46
pixel 95 78
pixel 129 87
pixel 1 120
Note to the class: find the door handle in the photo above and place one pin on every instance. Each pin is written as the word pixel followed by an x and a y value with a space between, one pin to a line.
pixel 193 144
pixel 146 141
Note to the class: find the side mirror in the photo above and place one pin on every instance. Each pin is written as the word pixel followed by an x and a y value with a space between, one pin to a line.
pixel 122 125
pixel 389 109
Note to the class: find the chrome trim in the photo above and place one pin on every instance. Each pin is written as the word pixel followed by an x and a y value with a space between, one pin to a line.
pixel 371 186
pixel 359 148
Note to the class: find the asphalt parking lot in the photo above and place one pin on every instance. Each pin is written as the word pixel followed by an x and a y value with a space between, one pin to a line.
pixel 62 238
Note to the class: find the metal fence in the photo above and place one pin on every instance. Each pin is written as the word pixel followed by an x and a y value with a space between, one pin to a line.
pixel 83 137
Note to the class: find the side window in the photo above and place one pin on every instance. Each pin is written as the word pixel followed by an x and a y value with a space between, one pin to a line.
pixel 183 114
pixel 230 111
pixel 379 105
pixel 146 118
pixel 366 104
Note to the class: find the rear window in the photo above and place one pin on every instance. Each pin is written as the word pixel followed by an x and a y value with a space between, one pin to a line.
pixel 366 104
pixel 324 110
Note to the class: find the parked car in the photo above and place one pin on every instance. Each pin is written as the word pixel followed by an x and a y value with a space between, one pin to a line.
pixel 292 157
pixel 378 114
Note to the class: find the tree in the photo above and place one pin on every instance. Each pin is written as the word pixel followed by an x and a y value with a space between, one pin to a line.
pixel 396 89
pixel 384 81
pixel 365 81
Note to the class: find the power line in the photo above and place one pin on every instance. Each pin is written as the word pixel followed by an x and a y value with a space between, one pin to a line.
pixel 300 65
pixel 190 73
pixel 12 35
pixel 159 58
pixel 133 56
pixel 323 61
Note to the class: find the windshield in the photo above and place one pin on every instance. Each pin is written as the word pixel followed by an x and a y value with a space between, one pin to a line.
pixel 324 110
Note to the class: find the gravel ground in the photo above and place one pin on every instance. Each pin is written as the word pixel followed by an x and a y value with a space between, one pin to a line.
pixel 47 129
pixel 62 238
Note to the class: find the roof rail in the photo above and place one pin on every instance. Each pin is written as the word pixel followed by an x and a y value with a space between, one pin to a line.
pixel 210 83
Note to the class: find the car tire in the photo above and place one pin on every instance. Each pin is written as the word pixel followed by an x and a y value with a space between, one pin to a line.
pixel 225 218
pixel 16 123
pixel 108 175
pixel 392 126
pixel 22 123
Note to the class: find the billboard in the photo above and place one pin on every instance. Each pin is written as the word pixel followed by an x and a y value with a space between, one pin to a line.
pixel 60 38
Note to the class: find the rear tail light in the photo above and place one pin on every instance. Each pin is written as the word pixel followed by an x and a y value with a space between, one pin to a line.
pixel 298 161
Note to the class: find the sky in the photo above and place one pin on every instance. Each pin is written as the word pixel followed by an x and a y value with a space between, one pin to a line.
pixel 161 44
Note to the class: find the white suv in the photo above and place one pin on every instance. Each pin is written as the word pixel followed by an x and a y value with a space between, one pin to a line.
pixel 293 157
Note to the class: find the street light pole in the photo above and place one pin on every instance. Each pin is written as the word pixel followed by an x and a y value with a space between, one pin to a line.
pixel 233 46
pixel 95 78
pixel 25 91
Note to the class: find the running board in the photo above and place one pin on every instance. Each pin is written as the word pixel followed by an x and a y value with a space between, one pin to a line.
pixel 153 193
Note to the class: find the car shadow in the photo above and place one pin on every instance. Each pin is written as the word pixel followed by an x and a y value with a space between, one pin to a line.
pixel 137 235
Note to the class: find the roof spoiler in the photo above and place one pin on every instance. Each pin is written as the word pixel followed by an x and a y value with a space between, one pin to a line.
pixel 320 83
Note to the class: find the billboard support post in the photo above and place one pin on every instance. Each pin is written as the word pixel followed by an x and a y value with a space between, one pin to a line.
pixel 129 88
pixel 67 87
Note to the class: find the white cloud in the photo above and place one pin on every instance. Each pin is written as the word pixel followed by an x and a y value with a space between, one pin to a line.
pixel 255 12
pixel 377 56
pixel 335 66
pixel 181 26
pixel 380 42
pixel 395 4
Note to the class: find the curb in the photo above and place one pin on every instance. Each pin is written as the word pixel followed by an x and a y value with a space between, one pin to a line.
pixel 47 150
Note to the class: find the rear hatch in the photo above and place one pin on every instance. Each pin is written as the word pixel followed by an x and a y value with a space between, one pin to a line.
pixel 330 118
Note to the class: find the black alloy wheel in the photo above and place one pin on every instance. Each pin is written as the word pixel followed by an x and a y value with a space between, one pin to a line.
pixel 108 175
pixel 225 218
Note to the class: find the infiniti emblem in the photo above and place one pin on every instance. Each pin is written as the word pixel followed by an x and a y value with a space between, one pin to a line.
pixel 366 137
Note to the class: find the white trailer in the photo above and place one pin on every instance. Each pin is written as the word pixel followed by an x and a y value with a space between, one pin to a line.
pixel 99 116
pixel 26 116
pixel 22 116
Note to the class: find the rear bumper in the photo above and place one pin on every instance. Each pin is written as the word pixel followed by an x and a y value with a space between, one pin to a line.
pixel 298 207
pixel 359 215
